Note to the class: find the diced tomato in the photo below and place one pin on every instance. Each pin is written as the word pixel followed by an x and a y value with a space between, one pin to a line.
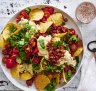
pixel 72 31
pixel 30 81
pixel 65 19
pixel 14 55
pixel 35 51
pixel 19 18
pixel 49 9
pixel 43 19
pixel 32 42
pixel 4 59
pixel 10 63
pixel 67 68
pixel 70 43
pixel 73 47
pixel 36 59
pixel 46 14
pixel 24 13
pixel 15 50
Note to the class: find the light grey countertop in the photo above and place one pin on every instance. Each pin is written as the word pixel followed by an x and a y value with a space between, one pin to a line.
pixel 9 7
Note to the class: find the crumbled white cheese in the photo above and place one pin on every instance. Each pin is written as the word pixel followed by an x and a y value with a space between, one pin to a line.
pixel 67 59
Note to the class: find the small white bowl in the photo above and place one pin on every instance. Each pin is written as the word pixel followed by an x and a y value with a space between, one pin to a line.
pixel 85 12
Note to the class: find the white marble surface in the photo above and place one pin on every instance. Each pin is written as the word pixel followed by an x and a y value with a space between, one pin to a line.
pixel 9 7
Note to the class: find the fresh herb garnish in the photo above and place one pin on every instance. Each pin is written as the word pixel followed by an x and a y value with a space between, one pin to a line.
pixel 12 42
pixel 62 66
pixel 27 10
pixel 35 66
pixel 12 28
pixel 66 46
pixel 65 38
pixel 22 55
pixel 77 61
pixel 27 26
pixel 57 43
pixel 42 44
pixel 69 73
pixel 51 86
pixel 63 23
pixel 74 39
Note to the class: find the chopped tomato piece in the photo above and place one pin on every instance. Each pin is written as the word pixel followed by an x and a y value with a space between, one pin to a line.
pixel 10 63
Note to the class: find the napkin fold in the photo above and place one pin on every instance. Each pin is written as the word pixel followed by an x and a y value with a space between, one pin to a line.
pixel 88 73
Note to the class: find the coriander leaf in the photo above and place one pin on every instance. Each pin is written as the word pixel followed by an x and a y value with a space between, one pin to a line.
pixel 32 31
pixel 62 66
pixel 66 46
pixel 57 43
pixel 69 73
pixel 27 26
pixel 74 38
pixel 77 61
pixel 22 55
pixel 35 66
pixel 27 35
pixel 27 10
pixel 21 42
pixel 58 71
pixel 63 23
pixel 12 42
pixel 42 44
pixel 51 85
pixel 12 28
pixel 65 38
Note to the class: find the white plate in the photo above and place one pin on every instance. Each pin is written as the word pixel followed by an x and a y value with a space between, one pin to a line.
pixel 21 84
